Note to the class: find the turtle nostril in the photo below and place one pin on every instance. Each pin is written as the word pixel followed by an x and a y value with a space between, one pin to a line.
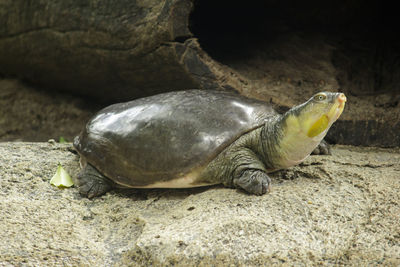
pixel 342 98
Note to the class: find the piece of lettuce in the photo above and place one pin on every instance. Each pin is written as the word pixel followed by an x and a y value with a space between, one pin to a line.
pixel 61 178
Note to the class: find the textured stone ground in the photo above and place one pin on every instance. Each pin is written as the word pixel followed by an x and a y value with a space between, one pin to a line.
pixel 342 209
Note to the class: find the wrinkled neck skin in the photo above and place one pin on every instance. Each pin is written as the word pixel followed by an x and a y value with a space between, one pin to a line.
pixel 285 143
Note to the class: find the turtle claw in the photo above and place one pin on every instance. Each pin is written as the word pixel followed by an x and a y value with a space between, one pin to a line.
pixel 92 184
pixel 254 182
pixel 322 149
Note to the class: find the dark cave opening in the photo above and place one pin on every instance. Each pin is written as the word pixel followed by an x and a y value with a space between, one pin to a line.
pixel 364 34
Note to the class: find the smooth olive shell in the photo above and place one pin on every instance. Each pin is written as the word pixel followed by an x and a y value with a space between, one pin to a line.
pixel 166 136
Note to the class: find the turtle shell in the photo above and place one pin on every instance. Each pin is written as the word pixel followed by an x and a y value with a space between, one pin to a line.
pixel 166 136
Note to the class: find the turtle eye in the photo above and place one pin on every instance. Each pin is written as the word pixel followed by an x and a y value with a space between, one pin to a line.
pixel 320 97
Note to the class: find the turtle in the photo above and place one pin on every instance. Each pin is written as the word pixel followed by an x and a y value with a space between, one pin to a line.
pixel 197 137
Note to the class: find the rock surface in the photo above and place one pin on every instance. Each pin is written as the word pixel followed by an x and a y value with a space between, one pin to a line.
pixel 342 209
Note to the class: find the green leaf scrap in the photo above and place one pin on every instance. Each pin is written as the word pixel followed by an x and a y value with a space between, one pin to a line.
pixel 61 178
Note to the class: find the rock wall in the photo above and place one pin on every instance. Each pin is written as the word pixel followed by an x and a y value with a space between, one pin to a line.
pixel 281 52
pixel 105 49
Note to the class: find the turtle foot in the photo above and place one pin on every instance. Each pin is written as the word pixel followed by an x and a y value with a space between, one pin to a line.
pixel 91 183
pixel 254 182
pixel 322 149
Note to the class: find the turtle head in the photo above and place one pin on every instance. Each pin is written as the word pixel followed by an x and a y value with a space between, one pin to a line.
pixel 304 126
pixel 315 116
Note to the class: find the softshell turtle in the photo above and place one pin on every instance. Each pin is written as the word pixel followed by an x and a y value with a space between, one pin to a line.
pixel 199 137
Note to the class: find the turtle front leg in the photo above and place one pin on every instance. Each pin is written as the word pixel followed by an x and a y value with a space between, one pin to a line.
pixel 237 167
pixel 322 149
pixel 253 181
pixel 92 183
pixel 249 172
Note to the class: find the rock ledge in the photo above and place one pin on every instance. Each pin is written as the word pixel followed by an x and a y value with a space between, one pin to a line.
pixel 342 209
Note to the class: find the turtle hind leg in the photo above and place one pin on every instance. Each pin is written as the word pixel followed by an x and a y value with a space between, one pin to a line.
pixel 92 183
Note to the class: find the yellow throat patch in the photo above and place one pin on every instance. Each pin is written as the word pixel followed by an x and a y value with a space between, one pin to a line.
pixel 319 126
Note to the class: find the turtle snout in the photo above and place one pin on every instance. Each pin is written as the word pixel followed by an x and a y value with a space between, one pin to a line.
pixel 341 98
